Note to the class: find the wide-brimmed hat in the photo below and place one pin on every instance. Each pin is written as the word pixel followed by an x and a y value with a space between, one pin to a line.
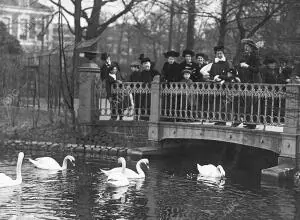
pixel 104 56
pixel 201 55
pixel 171 53
pixel 135 64
pixel 145 59
pixel 186 71
pixel 113 65
pixel 188 52
pixel 250 42
pixel 219 48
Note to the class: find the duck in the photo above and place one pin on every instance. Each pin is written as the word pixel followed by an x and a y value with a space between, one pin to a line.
pixel 130 174
pixel 6 181
pixel 211 170
pixel 48 163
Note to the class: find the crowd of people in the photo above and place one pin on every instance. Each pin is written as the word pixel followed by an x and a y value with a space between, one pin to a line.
pixel 220 70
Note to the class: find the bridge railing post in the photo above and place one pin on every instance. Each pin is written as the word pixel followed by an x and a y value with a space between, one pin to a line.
pixel 87 108
pixel 291 132
pixel 153 132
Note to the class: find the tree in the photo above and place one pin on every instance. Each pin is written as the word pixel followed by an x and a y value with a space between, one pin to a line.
pixel 8 43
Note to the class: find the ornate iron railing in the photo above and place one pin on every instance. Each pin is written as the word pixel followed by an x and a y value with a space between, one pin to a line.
pixel 238 103
pixel 251 103
pixel 127 99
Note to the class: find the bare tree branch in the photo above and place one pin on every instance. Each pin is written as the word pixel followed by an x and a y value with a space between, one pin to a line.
pixel 62 7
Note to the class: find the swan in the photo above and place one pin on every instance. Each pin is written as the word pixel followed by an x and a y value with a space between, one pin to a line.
pixel 128 172
pixel 7 181
pixel 48 163
pixel 116 169
pixel 118 179
pixel 211 171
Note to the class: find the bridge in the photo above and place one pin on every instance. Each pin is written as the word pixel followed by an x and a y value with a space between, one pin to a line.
pixel 204 111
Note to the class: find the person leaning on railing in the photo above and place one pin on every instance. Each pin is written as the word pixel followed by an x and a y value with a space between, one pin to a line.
pixel 119 101
pixel 248 69
pixel 271 74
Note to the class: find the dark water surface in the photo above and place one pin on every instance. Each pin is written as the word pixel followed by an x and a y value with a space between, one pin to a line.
pixel 170 191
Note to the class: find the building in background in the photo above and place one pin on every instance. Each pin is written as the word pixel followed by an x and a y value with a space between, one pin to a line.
pixel 27 20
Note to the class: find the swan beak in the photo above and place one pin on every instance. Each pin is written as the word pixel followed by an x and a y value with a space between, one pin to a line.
pixel 73 163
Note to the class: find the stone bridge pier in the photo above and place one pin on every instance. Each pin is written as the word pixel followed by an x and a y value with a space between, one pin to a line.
pixel 145 137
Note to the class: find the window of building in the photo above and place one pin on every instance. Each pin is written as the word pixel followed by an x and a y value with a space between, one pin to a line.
pixel 23 29
pixel 32 28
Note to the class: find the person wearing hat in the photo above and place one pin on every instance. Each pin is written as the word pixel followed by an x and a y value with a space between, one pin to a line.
pixel 219 66
pixel 135 71
pixel 188 63
pixel 248 67
pixel 186 104
pixel 201 62
pixel 105 57
pixel 147 73
pixel 170 71
pixel 270 72
pixel 121 100
pixel 146 76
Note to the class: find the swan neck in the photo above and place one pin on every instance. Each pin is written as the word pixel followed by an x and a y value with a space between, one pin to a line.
pixel 18 170
pixel 65 162
pixel 123 166
pixel 139 169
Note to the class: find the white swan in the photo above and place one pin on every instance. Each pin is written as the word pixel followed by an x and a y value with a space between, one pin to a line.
pixel 6 180
pixel 116 169
pixel 48 163
pixel 118 179
pixel 128 172
pixel 211 171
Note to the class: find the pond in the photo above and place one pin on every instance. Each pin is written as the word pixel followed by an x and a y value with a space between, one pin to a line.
pixel 169 191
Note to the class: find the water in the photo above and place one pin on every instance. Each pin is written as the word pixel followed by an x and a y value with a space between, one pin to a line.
pixel 170 191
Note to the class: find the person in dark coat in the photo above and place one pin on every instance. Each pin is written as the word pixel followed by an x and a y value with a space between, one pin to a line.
pixel 220 66
pixel 105 57
pixel 188 63
pixel 248 69
pixel 270 72
pixel 135 72
pixel 249 65
pixel 201 61
pixel 121 100
pixel 147 73
pixel 170 71
pixel 146 77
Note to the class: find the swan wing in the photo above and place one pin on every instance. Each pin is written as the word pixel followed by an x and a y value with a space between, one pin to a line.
pixel 4 178
pixel 117 180
pixel 128 172
pixel 111 171
pixel 47 163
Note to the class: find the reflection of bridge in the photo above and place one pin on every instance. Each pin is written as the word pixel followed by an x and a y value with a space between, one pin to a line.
pixel 178 111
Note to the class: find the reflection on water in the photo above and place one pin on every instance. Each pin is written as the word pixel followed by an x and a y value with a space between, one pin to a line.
pixel 171 189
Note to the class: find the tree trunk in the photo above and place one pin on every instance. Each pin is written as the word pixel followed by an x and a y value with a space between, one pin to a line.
pixel 223 23
pixel 191 24
pixel 94 20
pixel 171 26
pixel 74 75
